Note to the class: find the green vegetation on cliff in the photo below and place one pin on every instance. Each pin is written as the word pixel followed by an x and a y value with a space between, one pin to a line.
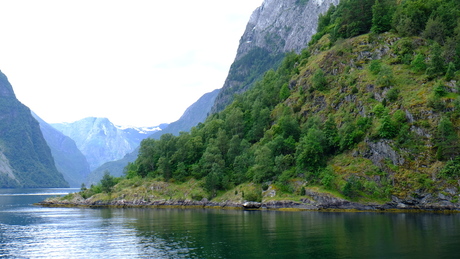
pixel 371 109
pixel 23 149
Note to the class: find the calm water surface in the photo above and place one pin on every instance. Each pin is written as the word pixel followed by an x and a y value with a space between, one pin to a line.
pixel 28 231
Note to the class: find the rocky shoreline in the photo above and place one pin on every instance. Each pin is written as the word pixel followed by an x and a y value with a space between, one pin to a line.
pixel 314 202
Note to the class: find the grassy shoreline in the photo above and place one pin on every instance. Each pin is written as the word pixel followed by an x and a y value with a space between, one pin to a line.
pixel 190 195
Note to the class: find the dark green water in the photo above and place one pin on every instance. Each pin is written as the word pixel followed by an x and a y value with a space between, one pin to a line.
pixel 28 231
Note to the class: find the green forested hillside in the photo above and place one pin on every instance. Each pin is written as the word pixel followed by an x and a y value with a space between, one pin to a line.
pixel 369 110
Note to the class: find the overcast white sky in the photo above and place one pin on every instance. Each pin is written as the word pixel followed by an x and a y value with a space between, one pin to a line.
pixel 136 62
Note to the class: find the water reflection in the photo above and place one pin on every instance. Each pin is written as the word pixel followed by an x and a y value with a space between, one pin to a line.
pixel 35 232
pixel 249 234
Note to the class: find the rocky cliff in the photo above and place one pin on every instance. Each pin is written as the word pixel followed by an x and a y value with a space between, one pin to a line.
pixel 68 158
pixel 25 158
pixel 275 28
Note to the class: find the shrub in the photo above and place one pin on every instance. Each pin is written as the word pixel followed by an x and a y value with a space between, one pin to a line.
pixel 197 197
pixel 303 192
pixel 327 178
pixel 265 186
pixel 399 117
pixel 418 64
pixel 379 110
pixel 254 195
pixel 352 187
pixel 354 90
pixel 439 90
pixel 319 80
pixel 451 169
pixel 392 94
pixel 375 66
pixel 385 77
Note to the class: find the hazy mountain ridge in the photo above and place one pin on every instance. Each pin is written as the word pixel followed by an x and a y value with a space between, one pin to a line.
pixel 196 113
pixel 68 158
pixel 101 141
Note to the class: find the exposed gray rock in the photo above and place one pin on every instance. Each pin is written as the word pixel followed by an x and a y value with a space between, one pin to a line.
pixel 409 116
pixel 275 28
pixel 381 150
pixel 282 25
pixel 421 132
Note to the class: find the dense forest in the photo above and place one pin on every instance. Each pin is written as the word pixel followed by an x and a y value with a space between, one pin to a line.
pixel 370 109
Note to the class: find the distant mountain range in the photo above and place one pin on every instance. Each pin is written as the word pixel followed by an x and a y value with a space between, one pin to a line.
pixel 67 157
pixel 101 141
pixel 25 158
pixel 196 113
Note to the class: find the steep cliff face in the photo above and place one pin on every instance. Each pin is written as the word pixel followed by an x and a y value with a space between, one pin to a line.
pixel 25 158
pixel 100 140
pixel 275 28
pixel 68 158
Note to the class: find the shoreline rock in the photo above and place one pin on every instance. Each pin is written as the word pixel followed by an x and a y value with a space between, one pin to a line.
pixel 313 202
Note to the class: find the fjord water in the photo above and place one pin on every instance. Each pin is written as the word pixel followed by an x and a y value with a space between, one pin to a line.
pixel 28 231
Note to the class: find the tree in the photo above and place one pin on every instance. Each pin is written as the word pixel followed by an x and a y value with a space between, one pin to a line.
pixel 263 166
pixel 107 182
pixel 235 122
pixel 410 17
pixel 212 160
pixel 381 17
pixel 331 134
pixel 164 167
pixel 436 66
pixel 148 156
pixel 289 126
pixel 284 92
pixel 310 150
pixel 355 17
pixel 446 140
pixel 434 30
pixel 387 128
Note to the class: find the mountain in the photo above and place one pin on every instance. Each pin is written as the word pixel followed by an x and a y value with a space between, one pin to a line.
pixel 196 113
pixel 369 113
pixel 25 158
pixel 68 158
pixel 101 141
pixel 275 28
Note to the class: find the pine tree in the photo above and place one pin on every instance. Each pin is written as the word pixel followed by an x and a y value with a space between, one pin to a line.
pixel 381 17
pixel 436 66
